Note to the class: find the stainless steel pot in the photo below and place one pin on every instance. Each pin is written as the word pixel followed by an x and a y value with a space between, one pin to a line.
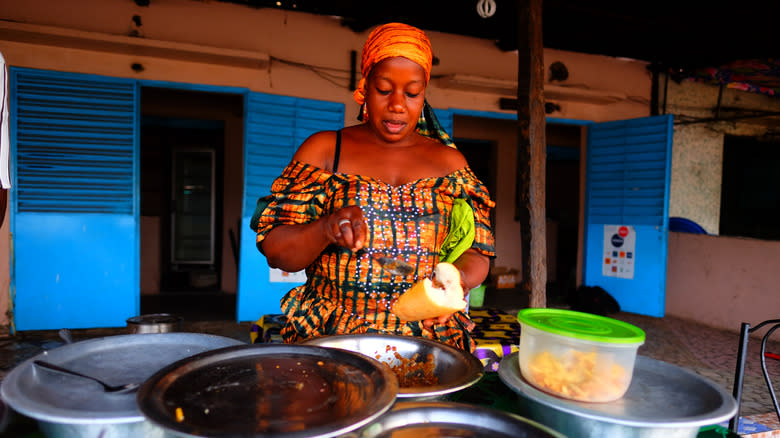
pixel 154 323
pixel 68 406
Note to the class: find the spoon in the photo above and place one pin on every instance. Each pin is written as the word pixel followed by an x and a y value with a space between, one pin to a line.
pixel 108 388
pixel 396 266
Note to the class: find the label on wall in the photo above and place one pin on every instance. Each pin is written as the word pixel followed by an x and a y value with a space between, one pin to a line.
pixel 619 251
pixel 279 276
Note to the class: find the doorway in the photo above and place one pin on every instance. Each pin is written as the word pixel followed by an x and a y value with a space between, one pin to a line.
pixel 191 187
pixel 181 172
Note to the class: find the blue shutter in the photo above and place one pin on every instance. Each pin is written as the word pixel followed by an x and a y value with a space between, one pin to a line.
pixel 627 169
pixel 74 214
pixel 274 128
pixel 445 118
pixel 627 183
pixel 75 143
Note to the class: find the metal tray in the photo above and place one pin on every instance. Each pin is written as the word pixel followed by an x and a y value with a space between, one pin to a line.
pixel 450 419
pixel 58 398
pixel 268 389
pixel 663 400
pixel 454 369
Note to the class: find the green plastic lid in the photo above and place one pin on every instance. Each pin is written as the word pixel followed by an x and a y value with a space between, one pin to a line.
pixel 582 325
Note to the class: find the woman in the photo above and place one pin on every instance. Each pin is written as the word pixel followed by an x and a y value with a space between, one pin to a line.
pixel 386 186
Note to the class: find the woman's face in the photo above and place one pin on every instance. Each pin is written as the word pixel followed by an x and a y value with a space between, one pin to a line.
pixel 395 94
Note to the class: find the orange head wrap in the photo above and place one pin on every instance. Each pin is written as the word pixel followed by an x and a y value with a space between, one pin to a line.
pixel 393 40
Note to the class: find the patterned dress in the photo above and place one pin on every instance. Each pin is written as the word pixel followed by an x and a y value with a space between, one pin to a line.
pixel 349 293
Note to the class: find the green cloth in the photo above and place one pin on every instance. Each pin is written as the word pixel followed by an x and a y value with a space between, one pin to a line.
pixel 461 234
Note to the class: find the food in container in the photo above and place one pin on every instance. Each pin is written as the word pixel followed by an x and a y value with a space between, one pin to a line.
pixel 576 355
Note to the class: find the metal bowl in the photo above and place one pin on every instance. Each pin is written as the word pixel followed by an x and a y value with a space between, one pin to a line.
pixel 449 419
pixel 454 369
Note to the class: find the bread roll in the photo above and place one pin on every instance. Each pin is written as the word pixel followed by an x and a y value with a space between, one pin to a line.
pixel 432 298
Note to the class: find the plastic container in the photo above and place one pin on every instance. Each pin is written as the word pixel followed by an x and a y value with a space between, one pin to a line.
pixel 576 355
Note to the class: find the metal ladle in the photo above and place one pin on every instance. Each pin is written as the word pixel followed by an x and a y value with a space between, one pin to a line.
pixel 108 388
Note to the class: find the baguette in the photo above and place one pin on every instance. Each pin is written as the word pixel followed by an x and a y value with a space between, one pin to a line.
pixel 432 298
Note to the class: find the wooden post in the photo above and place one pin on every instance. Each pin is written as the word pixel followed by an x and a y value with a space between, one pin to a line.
pixel 531 154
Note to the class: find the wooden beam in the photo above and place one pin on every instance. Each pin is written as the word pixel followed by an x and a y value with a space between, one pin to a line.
pixel 531 158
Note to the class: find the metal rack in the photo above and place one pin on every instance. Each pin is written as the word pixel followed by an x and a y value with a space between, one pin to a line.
pixel 744 336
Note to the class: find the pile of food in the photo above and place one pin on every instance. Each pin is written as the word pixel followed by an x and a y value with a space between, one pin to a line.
pixel 410 372
pixel 577 375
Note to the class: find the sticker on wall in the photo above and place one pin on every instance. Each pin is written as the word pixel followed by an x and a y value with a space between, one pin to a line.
pixel 619 251
pixel 279 276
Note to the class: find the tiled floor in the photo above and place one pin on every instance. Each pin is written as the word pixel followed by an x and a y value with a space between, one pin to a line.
pixel 707 351
pixel 712 353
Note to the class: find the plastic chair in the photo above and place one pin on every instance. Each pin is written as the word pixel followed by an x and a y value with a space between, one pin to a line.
pixel 744 336
pixel 684 225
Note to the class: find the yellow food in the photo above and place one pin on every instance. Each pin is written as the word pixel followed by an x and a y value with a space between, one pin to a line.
pixel 578 375
pixel 432 298
pixel 179 415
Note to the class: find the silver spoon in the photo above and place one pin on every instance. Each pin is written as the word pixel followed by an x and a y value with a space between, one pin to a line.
pixel 108 388
pixel 396 266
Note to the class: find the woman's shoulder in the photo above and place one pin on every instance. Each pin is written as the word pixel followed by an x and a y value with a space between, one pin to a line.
pixel 318 150
pixel 448 159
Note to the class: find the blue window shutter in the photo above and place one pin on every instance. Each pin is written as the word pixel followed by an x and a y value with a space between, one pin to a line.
pixel 627 172
pixel 445 119
pixel 274 128
pixel 75 220
pixel 74 142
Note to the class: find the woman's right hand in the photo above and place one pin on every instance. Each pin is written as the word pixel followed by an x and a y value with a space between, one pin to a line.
pixel 346 227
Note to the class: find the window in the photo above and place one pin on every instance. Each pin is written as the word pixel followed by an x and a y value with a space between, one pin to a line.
pixel 750 193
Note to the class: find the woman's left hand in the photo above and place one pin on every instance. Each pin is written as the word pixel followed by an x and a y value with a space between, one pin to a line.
pixel 473 268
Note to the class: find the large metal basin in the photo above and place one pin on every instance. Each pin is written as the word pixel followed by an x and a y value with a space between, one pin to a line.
pixel 73 407
pixel 663 401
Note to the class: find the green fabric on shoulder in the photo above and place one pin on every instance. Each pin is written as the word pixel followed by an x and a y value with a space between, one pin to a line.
pixel 461 234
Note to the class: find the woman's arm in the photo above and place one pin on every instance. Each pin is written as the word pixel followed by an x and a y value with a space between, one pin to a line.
pixel 474 268
pixel 294 247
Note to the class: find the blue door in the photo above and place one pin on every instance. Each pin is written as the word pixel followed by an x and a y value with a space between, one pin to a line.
pixel 74 204
pixel 627 211
pixel 274 128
